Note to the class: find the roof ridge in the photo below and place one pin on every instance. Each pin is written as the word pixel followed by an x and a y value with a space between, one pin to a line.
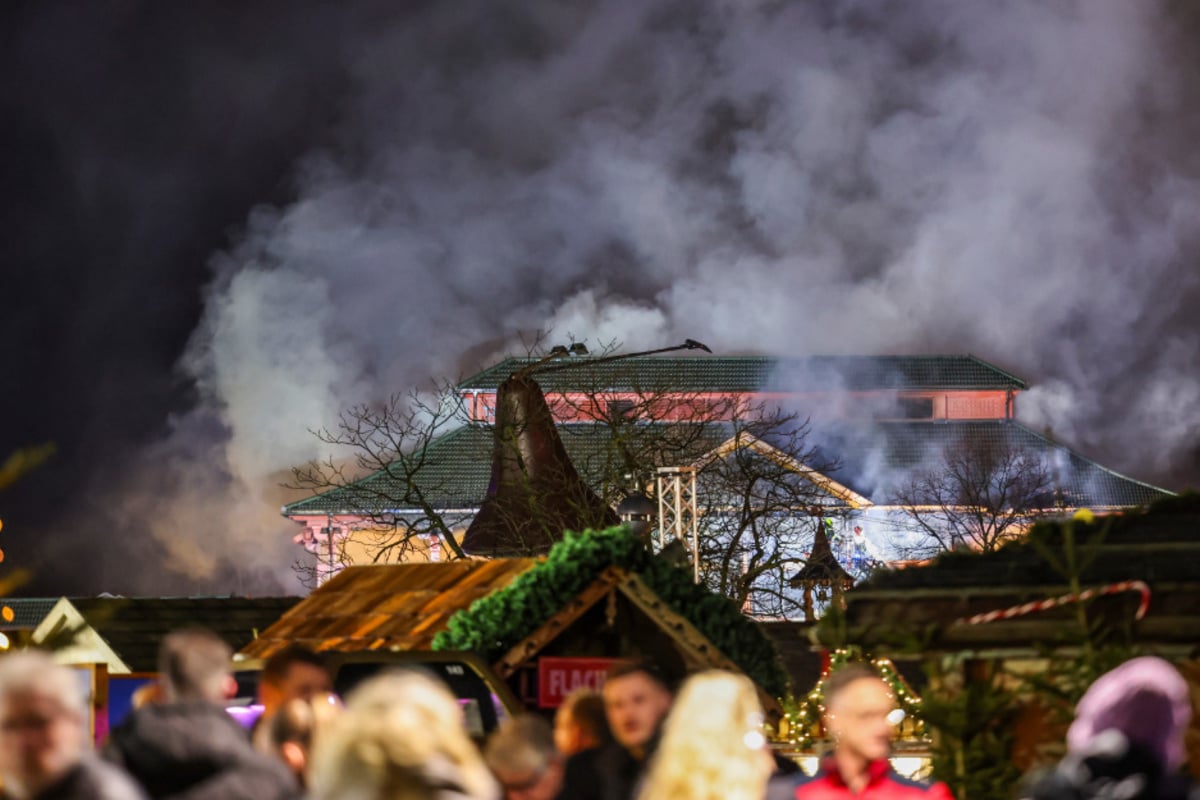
pixel 475 375
pixel 1006 373
pixel 947 370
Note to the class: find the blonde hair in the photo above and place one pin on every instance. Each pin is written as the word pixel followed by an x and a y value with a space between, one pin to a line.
pixel 401 737
pixel 712 743
pixel 524 743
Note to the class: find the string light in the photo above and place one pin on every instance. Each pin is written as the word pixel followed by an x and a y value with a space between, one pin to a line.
pixel 802 716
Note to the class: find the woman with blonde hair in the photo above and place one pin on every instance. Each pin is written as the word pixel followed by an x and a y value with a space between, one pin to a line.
pixel 400 737
pixel 712 746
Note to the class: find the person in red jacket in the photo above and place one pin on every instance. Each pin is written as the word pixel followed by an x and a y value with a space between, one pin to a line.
pixel 858 704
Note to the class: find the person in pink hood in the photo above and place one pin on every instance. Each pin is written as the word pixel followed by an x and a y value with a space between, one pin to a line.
pixel 1126 742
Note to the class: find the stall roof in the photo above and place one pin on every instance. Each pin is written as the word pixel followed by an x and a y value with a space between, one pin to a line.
pixel 1159 548
pixel 27 612
pixel 386 607
pixel 125 632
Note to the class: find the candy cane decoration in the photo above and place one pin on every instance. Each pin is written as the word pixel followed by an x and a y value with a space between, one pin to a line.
pixel 1087 594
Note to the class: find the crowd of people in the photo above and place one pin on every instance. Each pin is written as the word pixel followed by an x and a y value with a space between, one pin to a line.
pixel 400 736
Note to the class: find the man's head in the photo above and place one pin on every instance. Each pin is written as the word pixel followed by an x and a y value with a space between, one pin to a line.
pixel 294 727
pixel 522 756
pixel 42 722
pixel 857 705
pixel 580 722
pixel 294 673
pixel 193 665
pixel 636 698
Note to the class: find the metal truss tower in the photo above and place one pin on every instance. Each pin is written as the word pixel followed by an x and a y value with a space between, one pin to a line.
pixel 677 517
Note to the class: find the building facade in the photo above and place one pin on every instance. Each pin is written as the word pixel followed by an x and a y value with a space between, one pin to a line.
pixel 867 424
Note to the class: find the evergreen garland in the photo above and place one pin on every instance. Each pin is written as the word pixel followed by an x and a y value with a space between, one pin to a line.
pixel 497 622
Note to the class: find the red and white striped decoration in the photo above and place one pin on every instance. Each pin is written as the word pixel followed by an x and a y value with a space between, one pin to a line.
pixel 1088 594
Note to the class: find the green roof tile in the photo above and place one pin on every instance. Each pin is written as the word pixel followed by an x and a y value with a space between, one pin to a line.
pixel 759 373
pixel 458 465
pixel 458 468
pixel 867 453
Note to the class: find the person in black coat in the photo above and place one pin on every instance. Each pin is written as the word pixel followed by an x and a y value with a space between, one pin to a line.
pixel 188 747
pixel 636 700
pixel 1126 742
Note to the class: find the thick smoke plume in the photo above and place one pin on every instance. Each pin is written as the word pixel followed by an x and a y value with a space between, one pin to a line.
pixel 1015 180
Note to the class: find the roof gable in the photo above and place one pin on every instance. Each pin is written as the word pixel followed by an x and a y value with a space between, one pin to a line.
pixel 696 648
pixel 132 628
pixel 746 441
pixel 502 624
pixel 66 631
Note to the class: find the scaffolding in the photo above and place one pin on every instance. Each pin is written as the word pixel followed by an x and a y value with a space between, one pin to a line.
pixel 677 516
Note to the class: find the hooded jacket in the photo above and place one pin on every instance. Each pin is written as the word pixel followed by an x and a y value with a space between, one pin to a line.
pixel 1126 742
pixel 1146 700
pixel 196 751
pixel 1111 767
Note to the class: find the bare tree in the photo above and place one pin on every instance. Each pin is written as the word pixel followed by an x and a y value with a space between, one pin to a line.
pixel 759 481
pixel 762 495
pixel 385 481
pixel 761 487
pixel 976 496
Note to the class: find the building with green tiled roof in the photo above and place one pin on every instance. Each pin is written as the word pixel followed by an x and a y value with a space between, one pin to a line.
pixel 873 420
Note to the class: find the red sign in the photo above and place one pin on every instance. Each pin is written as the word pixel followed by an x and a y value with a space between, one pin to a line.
pixel 558 677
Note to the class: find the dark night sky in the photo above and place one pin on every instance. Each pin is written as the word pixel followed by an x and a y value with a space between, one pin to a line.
pixel 138 135
pixel 225 221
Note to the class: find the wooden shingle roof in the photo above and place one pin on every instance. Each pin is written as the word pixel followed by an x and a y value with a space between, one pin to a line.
pixel 386 607
pixel 760 373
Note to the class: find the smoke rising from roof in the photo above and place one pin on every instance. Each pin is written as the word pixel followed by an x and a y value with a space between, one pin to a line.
pixel 1011 179
pixel 823 178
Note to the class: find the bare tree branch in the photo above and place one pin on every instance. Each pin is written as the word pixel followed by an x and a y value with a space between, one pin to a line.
pixel 976 496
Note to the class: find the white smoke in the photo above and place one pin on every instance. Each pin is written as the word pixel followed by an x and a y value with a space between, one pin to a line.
pixel 830 177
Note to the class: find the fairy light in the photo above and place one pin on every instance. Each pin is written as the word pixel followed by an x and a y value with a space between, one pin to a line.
pixel 802 715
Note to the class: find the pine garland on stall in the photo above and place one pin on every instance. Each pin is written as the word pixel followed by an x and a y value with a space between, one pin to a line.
pixel 497 622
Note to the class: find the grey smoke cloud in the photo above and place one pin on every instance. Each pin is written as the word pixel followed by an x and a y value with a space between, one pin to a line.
pixel 828 177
